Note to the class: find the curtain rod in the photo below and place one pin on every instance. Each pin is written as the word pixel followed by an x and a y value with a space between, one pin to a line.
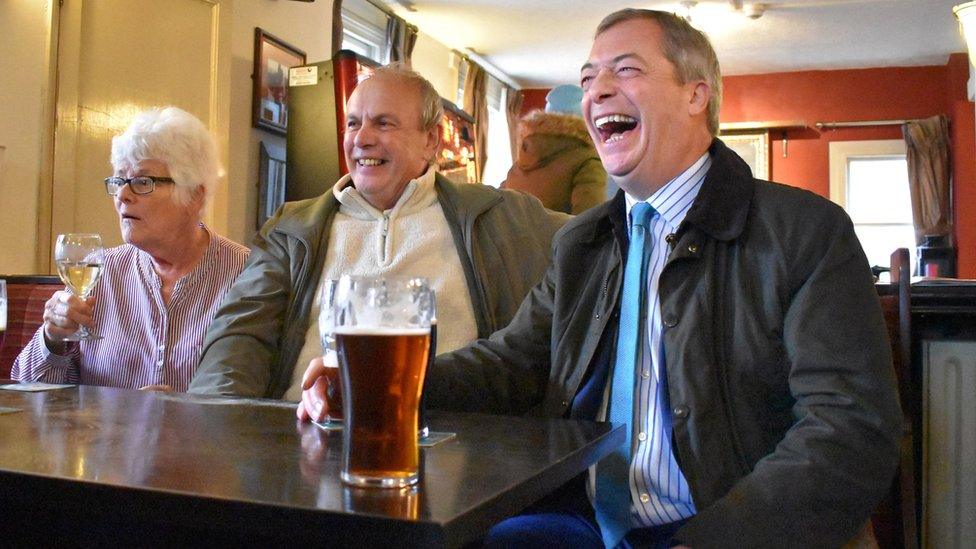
pixel 491 69
pixel 861 123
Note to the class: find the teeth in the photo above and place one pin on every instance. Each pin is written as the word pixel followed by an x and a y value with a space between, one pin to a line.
pixel 614 137
pixel 614 118
pixel 369 161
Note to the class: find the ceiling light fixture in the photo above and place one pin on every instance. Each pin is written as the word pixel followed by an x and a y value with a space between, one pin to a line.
pixel 754 11
pixel 966 14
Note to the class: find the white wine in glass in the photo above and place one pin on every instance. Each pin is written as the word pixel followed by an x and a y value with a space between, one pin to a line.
pixel 80 259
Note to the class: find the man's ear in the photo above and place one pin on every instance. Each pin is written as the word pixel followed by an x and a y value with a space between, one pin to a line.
pixel 433 142
pixel 700 94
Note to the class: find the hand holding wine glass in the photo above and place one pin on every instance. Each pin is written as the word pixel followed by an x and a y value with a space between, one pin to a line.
pixel 80 259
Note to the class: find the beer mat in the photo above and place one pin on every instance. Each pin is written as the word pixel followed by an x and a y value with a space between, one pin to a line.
pixel 34 387
pixel 216 400
pixel 435 438
pixel 329 426
pixel 5 410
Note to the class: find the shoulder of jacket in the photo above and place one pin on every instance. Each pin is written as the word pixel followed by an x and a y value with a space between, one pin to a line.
pixel 772 196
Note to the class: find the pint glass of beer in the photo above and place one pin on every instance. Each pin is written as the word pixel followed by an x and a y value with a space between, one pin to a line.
pixel 333 395
pixel 382 333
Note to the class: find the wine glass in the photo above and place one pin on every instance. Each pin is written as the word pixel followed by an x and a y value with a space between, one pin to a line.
pixel 80 259
pixel 3 309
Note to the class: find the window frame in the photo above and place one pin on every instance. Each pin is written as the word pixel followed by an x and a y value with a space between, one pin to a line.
pixel 840 155
pixel 360 28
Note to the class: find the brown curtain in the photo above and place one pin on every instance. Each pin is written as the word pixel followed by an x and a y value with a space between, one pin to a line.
pixel 400 40
pixel 336 26
pixel 927 143
pixel 513 107
pixel 476 104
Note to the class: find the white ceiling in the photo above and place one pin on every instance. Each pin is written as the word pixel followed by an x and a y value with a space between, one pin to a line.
pixel 542 43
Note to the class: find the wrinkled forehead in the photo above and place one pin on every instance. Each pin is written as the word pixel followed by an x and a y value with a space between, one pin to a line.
pixel 385 95
pixel 640 38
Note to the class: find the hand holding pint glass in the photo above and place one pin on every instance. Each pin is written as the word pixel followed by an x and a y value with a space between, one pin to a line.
pixel 382 334
pixel 330 359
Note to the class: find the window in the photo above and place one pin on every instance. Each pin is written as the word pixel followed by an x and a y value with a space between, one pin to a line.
pixel 499 145
pixel 870 180
pixel 364 29
pixel 462 78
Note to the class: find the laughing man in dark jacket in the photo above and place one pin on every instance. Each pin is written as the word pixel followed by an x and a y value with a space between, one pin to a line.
pixel 747 352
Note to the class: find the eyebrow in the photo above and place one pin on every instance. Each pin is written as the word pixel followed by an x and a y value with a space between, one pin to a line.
pixel 615 60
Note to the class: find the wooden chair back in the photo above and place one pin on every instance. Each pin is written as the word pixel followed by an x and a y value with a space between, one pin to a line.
pixel 895 520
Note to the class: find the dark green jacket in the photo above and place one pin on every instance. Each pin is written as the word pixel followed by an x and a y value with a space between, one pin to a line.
pixel 786 419
pixel 502 238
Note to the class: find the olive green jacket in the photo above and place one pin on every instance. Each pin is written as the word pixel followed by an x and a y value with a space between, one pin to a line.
pixel 502 239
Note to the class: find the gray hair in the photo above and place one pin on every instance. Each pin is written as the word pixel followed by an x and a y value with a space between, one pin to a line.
pixel 686 47
pixel 433 108
pixel 179 140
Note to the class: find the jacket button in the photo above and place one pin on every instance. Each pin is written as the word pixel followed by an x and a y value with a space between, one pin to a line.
pixel 671 321
pixel 680 412
pixel 564 403
pixel 671 238
pixel 597 316
pixel 693 248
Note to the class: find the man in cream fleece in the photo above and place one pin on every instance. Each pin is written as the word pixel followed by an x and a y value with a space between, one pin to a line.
pixel 482 249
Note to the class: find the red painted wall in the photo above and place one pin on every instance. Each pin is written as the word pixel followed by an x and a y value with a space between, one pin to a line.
pixel 533 99
pixel 848 95
pixel 862 94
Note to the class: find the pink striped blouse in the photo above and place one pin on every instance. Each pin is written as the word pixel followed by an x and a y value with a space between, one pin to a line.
pixel 145 342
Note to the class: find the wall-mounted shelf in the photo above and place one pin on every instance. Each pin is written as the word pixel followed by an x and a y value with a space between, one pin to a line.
pixel 778 125
pixel 781 126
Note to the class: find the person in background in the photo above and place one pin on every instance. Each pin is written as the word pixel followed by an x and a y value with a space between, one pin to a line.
pixel 556 160
pixel 482 249
pixel 158 291
pixel 731 324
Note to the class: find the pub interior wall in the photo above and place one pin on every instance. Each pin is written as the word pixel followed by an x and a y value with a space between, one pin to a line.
pixel 306 26
pixel 25 26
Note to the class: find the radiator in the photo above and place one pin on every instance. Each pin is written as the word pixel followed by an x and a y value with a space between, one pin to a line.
pixel 949 444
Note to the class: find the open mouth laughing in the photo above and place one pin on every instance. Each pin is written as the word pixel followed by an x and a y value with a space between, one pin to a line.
pixel 612 127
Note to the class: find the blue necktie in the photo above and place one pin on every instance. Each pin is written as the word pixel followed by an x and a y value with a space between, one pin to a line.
pixel 613 472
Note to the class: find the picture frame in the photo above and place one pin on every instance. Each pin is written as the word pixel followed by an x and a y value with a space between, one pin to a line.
pixel 753 147
pixel 271 180
pixel 273 57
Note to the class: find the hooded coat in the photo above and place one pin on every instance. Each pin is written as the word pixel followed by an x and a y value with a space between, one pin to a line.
pixel 557 163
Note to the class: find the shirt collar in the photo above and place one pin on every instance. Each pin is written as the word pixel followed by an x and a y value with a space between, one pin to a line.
pixel 674 199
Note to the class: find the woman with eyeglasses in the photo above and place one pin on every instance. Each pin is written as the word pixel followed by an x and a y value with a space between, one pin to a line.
pixel 160 290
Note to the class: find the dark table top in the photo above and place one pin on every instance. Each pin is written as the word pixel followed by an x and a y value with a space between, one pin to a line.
pixel 109 465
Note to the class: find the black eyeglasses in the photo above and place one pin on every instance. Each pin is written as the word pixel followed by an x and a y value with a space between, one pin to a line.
pixel 142 184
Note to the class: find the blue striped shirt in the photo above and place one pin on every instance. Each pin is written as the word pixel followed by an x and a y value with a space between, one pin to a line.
pixel 658 489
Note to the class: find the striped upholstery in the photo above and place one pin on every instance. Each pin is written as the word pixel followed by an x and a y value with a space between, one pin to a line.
pixel 26 296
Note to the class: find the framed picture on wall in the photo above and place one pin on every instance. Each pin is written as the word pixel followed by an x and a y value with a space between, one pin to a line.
pixel 272 59
pixel 271 181
pixel 753 147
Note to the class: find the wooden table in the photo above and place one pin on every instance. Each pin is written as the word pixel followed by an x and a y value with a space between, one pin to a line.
pixel 93 465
